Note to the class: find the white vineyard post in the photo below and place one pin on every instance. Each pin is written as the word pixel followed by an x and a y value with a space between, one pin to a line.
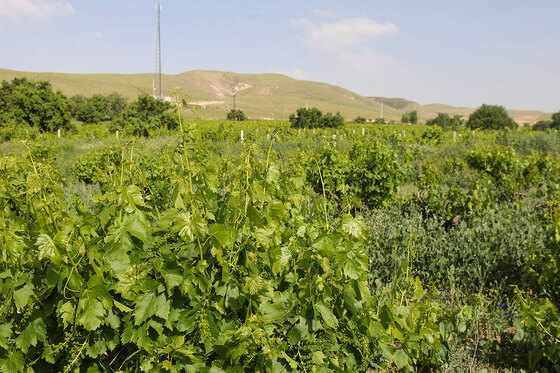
pixel 241 135
pixel 58 132
pixel 117 134
pixel 454 136
pixel 363 131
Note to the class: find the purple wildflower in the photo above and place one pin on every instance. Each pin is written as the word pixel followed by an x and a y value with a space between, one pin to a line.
pixel 442 290
pixel 506 313
pixel 501 305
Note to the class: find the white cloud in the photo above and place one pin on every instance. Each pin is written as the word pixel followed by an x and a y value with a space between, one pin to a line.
pixel 98 34
pixel 39 9
pixel 343 33
pixel 323 13
pixel 367 61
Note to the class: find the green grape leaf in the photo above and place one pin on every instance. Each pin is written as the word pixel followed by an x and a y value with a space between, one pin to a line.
pixel 327 315
pixel 47 248
pixel 145 307
pixel 13 364
pixel 35 331
pixel 5 334
pixel 353 226
pixel 401 359
pixel 91 312
pixel 22 296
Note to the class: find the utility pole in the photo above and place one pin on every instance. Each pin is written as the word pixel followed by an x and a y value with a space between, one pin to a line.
pixel 382 110
pixel 235 94
pixel 158 51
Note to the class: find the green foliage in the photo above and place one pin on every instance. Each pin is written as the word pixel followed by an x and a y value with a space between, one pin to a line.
pixel 93 110
pixel 432 135
pixel 542 125
pixel 117 104
pixel 540 305
pixel 410 117
pixel 490 117
pixel 369 171
pixel 237 269
pixel 379 121
pixel 34 103
pixel 314 118
pixel 199 253
pixel 236 115
pixel 360 120
pixel 146 115
pixel 78 101
pixel 445 120
pixel 306 118
pixel 555 120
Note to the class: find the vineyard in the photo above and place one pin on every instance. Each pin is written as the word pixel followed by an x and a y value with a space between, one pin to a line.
pixel 253 246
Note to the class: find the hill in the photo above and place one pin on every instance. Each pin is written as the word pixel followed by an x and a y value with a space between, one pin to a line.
pixel 260 96
pixel 431 110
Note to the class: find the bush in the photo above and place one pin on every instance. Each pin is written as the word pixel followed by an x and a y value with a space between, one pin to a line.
pixel 36 104
pixel 314 118
pixel 360 120
pixel 93 110
pixel 490 117
pixel 555 120
pixel 410 117
pixel 145 115
pixel 542 125
pixel 445 121
pixel 236 115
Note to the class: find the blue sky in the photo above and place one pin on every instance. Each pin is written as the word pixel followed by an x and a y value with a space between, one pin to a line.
pixel 462 53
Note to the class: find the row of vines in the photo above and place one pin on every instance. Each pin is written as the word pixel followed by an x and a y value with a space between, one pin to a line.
pixel 313 252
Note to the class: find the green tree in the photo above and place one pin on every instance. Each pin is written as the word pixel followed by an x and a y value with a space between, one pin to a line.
pixel 332 121
pixel 78 101
pixel 555 120
pixel 360 120
pixel 117 103
pixel 413 117
pixel 445 120
pixel 236 115
pixel 542 125
pixel 144 115
pixel 35 103
pixel 410 117
pixel 405 118
pixel 306 118
pixel 94 110
pixel 490 117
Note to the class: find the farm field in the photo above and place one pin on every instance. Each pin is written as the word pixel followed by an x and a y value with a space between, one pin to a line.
pixel 252 246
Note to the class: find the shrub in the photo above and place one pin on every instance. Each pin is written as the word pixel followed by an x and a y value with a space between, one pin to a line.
pixel 314 118
pixel 35 103
pixel 490 117
pixel 410 117
pixel 445 121
pixel 236 115
pixel 360 120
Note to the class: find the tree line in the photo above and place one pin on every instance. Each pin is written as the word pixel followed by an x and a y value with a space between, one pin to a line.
pixel 37 105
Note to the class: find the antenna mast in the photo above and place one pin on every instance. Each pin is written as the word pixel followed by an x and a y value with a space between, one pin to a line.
pixel 158 53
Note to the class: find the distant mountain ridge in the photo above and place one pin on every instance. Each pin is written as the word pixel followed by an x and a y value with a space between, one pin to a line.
pixel 260 96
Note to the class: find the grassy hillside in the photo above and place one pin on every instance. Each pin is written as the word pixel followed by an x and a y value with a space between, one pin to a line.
pixel 431 110
pixel 260 96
